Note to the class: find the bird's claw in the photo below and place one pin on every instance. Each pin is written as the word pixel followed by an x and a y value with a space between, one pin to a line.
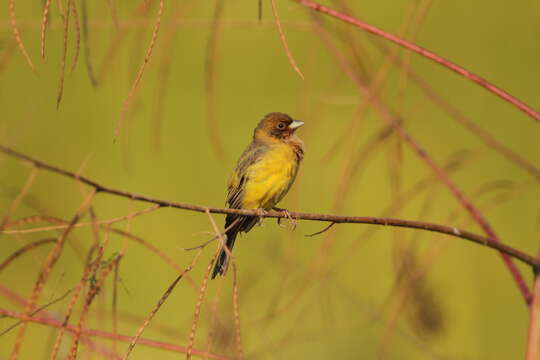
pixel 261 214
pixel 286 215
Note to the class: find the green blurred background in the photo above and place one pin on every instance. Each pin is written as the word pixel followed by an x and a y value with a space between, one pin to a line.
pixel 347 293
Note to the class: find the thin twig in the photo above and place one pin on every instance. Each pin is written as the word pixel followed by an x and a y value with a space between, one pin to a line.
pixel 90 271
pixel 212 46
pixel 203 245
pixel 158 306
pixel 533 341
pixel 197 312
pixel 64 55
pixel 44 23
pixel 218 236
pixel 127 103
pixel 64 225
pixel 114 305
pixel 214 317
pixel 284 41
pixel 38 310
pixel 23 250
pixel 114 13
pixel 20 196
pixel 236 311
pixel 163 78
pixel 77 35
pixel 533 338
pixel 322 231
pixel 117 41
pixel 86 41
pixel 91 294
pixel 17 34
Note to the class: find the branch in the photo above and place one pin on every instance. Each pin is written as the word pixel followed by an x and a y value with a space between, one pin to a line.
pixel 533 341
pixel 438 228
pixel 425 53
pixel 533 338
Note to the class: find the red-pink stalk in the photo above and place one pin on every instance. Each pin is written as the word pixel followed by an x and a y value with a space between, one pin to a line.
pixel 425 53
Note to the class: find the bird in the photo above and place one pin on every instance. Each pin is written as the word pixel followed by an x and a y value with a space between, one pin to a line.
pixel 263 175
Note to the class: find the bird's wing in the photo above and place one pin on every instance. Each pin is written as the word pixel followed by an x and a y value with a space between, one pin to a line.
pixel 237 182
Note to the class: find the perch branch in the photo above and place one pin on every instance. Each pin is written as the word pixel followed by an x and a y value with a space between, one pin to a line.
pixel 438 228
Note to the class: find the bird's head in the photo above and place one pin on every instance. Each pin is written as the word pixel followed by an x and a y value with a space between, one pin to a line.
pixel 277 126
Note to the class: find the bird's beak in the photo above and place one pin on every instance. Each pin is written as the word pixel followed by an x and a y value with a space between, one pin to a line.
pixel 296 124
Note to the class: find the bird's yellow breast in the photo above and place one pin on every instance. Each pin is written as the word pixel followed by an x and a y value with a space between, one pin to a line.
pixel 270 178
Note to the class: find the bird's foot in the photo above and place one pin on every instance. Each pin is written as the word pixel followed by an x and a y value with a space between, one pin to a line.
pixel 261 214
pixel 288 216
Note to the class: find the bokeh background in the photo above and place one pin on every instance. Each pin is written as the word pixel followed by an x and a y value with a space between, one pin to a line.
pixel 352 292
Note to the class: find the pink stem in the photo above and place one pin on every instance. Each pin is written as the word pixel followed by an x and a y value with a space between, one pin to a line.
pixel 426 53
pixel 533 339
pixel 106 335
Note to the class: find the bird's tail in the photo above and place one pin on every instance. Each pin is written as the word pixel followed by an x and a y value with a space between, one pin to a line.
pixel 223 257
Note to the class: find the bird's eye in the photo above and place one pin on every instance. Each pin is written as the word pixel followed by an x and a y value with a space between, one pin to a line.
pixel 281 126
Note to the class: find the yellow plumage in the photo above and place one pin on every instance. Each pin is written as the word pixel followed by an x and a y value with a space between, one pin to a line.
pixel 270 178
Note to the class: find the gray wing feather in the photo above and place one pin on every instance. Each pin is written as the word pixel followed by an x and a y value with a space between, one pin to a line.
pixel 250 156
